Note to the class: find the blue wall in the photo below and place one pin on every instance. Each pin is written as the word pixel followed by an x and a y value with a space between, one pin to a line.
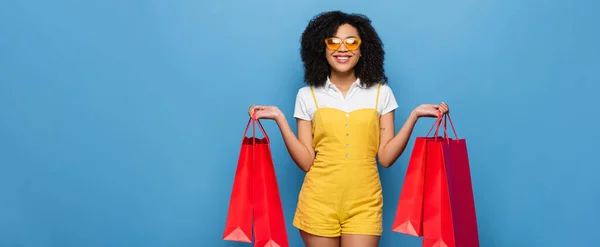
pixel 111 133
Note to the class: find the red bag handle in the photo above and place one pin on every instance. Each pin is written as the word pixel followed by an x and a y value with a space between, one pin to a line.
pixel 255 121
pixel 437 124
pixel 451 125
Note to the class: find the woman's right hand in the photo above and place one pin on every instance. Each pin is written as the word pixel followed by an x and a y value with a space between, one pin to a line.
pixel 267 112
pixel 430 110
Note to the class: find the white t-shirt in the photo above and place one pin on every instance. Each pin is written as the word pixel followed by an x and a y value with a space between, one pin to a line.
pixel 329 96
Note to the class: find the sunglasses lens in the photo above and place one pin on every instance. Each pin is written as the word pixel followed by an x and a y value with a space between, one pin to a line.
pixel 333 44
pixel 352 44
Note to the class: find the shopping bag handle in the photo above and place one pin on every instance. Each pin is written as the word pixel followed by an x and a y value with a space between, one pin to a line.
pixel 438 122
pixel 254 122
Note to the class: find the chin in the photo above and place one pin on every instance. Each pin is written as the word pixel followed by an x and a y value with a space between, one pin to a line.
pixel 343 69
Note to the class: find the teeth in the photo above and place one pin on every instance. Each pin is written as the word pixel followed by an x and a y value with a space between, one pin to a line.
pixel 343 58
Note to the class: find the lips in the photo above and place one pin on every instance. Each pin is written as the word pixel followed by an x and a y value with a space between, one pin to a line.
pixel 342 58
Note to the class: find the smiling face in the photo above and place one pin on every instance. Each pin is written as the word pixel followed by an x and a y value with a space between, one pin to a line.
pixel 343 49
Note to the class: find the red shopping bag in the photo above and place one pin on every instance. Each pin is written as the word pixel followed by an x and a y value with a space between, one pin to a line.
pixel 269 224
pixel 255 192
pixel 449 217
pixel 409 213
pixel 238 226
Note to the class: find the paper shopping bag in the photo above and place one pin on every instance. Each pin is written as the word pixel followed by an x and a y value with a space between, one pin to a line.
pixel 255 193
pixel 449 217
pixel 269 223
pixel 238 226
pixel 437 222
pixel 409 213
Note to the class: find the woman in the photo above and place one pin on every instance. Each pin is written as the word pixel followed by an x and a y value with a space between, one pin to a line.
pixel 345 120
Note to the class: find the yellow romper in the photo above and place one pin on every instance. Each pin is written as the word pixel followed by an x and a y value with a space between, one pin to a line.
pixel 341 193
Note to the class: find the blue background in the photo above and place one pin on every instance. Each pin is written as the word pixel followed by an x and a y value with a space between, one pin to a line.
pixel 121 121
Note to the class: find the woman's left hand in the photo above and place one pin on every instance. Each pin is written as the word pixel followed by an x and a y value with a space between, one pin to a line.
pixel 431 110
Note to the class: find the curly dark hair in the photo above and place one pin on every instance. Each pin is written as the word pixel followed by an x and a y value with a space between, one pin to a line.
pixel 316 69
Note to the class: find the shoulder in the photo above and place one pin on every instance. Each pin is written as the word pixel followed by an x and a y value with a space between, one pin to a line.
pixel 306 92
pixel 387 92
pixel 303 93
pixel 305 105
pixel 387 100
pixel 384 89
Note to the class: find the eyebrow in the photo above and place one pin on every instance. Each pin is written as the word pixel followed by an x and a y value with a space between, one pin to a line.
pixel 352 36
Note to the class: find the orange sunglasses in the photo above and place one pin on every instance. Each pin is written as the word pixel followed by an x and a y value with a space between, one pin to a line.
pixel 350 43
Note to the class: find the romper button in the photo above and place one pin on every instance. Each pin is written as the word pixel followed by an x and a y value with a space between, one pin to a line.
pixel 347 155
pixel 347 134
pixel 346 125
pixel 347 114
pixel 347 145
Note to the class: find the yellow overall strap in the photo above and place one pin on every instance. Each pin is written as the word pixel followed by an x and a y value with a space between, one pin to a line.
pixel 377 98
pixel 314 97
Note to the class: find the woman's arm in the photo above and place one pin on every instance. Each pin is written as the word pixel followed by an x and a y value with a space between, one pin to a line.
pixel 300 148
pixel 390 146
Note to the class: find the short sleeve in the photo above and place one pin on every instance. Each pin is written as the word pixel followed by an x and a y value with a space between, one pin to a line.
pixel 301 108
pixel 388 102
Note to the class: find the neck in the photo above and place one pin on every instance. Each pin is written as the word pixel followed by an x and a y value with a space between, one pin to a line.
pixel 342 80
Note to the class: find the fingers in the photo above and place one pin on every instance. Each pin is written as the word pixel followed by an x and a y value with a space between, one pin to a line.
pixel 255 109
pixel 251 110
pixel 257 115
pixel 444 108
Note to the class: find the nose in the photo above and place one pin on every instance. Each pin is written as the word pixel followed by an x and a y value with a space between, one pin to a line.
pixel 343 47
